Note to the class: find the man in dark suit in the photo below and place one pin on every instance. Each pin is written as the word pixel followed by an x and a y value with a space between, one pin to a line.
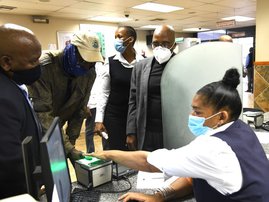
pixel 144 123
pixel 19 65
pixel 249 68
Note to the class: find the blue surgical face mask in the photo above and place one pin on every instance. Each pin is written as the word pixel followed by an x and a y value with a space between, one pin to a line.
pixel 118 44
pixel 196 124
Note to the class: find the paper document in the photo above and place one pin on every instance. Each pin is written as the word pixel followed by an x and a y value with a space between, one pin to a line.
pixel 263 137
pixel 146 180
pixel 55 197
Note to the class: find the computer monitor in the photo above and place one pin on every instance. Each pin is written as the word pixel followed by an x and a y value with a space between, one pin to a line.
pixel 54 164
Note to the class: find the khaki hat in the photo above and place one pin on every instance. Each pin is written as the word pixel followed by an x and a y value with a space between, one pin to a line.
pixel 88 46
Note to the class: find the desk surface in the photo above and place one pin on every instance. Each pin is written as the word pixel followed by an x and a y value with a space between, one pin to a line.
pixel 122 185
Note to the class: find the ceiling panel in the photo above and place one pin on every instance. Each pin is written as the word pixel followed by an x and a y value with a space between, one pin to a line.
pixel 235 4
pixel 180 3
pixel 197 12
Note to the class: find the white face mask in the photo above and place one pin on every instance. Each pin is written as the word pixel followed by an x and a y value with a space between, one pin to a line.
pixel 162 54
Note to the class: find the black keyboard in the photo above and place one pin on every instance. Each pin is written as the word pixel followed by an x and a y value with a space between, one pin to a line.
pixel 265 126
pixel 85 196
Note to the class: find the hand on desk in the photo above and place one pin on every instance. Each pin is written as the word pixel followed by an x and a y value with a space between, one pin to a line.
pixel 140 197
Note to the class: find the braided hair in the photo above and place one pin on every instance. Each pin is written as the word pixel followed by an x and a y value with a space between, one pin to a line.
pixel 223 94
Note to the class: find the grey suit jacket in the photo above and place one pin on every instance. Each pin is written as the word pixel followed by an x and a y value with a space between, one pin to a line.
pixel 137 111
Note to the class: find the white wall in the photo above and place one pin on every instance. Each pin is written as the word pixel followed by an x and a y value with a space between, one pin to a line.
pixel 47 33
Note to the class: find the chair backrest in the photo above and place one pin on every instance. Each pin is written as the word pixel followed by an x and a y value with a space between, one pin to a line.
pixel 186 73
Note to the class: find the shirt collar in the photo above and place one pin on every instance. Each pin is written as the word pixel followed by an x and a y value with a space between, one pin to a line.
pixel 23 88
pixel 124 62
pixel 219 129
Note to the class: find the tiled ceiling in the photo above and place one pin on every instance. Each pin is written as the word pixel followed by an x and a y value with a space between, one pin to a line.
pixel 196 13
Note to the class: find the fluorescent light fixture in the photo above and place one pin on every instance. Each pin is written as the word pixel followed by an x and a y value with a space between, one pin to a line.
pixel 238 18
pixel 109 19
pixel 195 29
pixel 157 7
pixel 150 26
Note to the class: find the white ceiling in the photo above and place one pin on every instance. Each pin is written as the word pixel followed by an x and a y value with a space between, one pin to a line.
pixel 197 13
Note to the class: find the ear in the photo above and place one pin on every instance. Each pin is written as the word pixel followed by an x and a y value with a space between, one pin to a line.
pixel 174 46
pixel 224 118
pixel 131 39
pixel 5 63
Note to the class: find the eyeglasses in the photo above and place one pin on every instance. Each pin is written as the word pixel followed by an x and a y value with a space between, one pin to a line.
pixel 164 44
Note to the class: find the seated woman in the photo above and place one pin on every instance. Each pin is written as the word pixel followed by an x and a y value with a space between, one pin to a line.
pixel 226 161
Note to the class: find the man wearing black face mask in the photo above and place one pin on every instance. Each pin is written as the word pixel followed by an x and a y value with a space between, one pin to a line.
pixel 64 87
pixel 19 65
pixel 144 123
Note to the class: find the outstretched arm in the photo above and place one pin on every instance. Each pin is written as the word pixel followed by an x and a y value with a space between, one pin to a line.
pixel 133 159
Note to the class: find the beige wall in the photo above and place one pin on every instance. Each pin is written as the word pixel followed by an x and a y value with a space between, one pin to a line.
pixel 262 31
pixel 47 33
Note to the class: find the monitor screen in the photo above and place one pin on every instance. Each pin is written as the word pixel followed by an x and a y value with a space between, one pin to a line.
pixel 210 35
pixel 54 164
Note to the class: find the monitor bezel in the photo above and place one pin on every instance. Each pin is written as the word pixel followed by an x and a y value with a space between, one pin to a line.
pixel 32 172
pixel 45 162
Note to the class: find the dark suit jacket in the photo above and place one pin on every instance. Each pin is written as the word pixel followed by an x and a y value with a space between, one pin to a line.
pixel 16 122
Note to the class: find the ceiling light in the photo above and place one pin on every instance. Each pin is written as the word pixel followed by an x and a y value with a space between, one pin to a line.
pixel 195 29
pixel 157 7
pixel 109 19
pixel 238 18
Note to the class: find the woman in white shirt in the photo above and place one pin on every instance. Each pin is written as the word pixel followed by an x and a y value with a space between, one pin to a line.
pixel 226 161
pixel 112 105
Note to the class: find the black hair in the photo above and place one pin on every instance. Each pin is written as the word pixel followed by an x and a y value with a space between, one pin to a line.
pixel 130 31
pixel 223 94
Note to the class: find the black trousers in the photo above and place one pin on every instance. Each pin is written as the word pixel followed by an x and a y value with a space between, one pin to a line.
pixel 116 129
pixel 250 75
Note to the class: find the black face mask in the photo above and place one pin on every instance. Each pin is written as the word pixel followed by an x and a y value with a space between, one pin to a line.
pixel 28 76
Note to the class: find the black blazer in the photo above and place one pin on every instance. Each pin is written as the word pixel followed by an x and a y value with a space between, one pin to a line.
pixel 16 122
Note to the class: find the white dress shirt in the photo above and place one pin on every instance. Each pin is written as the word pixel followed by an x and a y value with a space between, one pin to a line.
pixel 105 84
pixel 207 157
pixel 96 86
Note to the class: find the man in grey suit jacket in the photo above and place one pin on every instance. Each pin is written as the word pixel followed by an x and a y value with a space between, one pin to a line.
pixel 144 124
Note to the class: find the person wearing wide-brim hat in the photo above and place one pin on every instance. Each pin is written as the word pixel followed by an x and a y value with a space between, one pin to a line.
pixel 65 84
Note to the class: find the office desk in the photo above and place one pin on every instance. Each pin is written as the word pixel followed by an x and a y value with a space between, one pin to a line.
pixel 121 185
